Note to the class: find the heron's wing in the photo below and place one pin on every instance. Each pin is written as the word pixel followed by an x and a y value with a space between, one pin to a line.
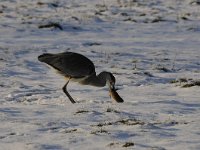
pixel 69 64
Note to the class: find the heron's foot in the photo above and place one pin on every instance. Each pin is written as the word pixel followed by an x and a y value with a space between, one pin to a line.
pixel 68 95
pixel 66 92
pixel 72 100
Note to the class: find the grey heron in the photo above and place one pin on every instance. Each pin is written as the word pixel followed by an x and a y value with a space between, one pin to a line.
pixel 78 68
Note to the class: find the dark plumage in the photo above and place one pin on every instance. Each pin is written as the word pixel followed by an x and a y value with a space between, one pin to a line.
pixel 69 64
pixel 79 68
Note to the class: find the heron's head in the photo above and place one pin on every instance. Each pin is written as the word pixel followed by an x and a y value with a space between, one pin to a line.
pixel 110 80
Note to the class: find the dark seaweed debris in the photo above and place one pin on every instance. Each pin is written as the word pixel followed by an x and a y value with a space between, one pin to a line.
pixel 51 25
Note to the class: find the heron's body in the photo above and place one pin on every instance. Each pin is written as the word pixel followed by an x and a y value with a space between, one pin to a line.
pixel 78 68
pixel 69 64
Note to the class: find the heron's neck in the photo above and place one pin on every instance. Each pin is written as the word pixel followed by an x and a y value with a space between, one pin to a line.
pixel 99 80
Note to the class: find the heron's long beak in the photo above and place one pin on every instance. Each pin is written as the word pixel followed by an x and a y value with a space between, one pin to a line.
pixel 112 86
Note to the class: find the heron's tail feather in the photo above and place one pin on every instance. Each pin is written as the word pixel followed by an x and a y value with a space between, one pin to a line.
pixel 52 60
pixel 46 57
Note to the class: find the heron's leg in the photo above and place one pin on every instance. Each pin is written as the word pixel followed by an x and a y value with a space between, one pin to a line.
pixel 66 92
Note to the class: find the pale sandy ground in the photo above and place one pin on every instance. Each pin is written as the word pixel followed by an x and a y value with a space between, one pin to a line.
pixel 146 44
